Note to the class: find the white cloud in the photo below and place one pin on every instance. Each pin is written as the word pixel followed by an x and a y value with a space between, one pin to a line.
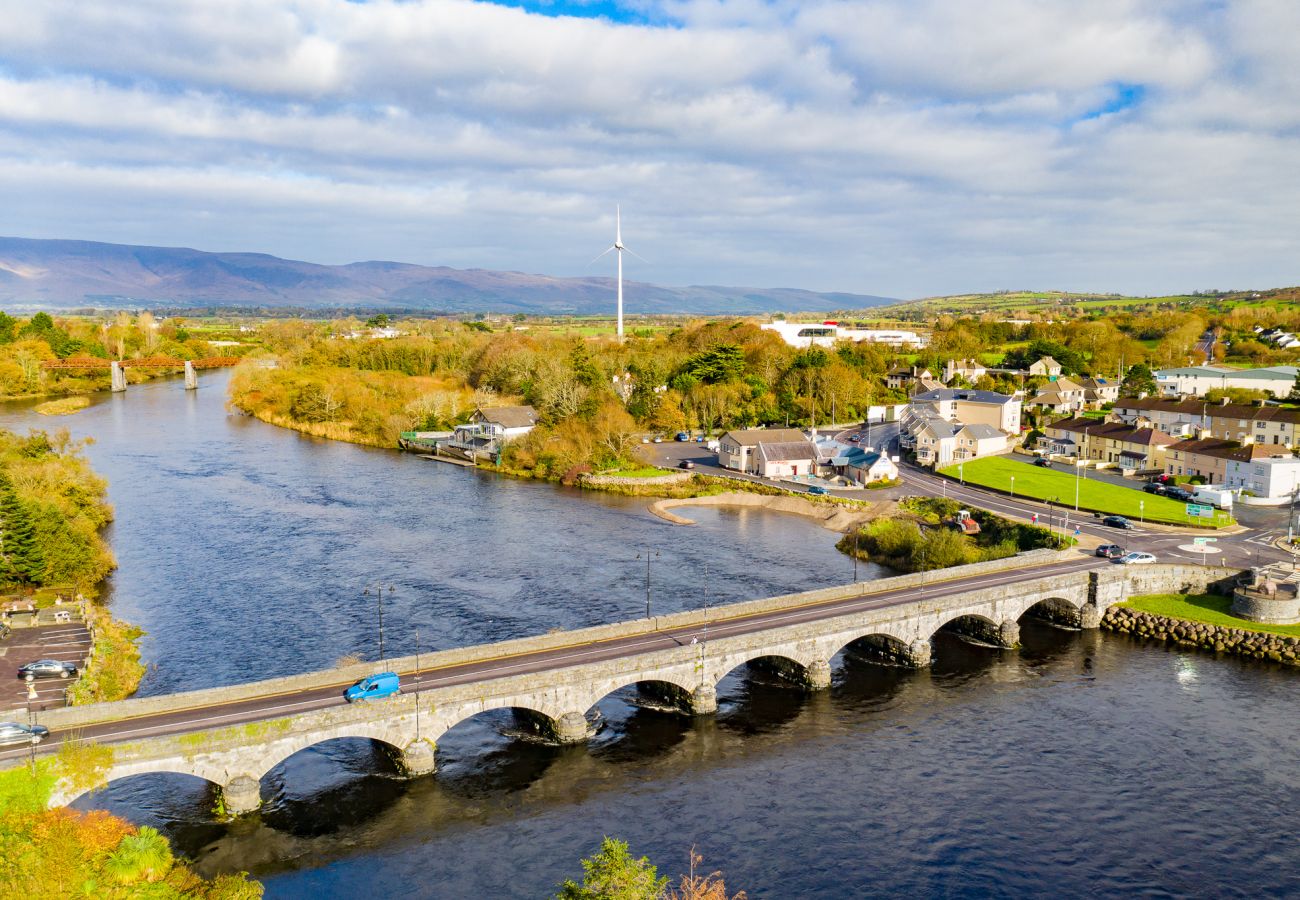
pixel 882 146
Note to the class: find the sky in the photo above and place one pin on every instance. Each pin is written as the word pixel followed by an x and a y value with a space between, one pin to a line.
pixel 904 148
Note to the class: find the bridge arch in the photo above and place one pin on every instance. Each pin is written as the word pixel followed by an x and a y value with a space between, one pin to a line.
pixel 802 670
pixel 544 721
pixel 1055 610
pixel 671 687
pixel 981 628
pixel 63 795
pixel 888 649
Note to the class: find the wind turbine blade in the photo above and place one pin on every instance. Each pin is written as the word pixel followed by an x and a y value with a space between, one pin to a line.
pixel 607 251
pixel 637 255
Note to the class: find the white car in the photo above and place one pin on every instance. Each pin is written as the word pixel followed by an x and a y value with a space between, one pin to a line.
pixel 1135 559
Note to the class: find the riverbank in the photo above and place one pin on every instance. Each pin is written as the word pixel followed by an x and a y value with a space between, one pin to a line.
pixel 831 517
pixel 1248 640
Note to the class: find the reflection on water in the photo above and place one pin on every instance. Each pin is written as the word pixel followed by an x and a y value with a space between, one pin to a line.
pixel 1081 764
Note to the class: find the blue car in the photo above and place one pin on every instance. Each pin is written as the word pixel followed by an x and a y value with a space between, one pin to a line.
pixel 374 687
pixel 817 489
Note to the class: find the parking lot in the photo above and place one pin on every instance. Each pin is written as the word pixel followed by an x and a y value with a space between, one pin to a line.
pixel 69 642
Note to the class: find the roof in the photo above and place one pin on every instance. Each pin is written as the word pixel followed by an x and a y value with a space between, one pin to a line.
pixel 940 428
pixel 781 450
pixel 509 416
pixel 1046 361
pixel 967 395
pixel 982 432
pixel 1221 449
pixel 1114 431
pixel 1048 398
pixel 1272 373
pixel 1214 410
pixel 752 437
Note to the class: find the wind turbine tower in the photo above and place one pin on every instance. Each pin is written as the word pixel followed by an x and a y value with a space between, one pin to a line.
pixel 618 245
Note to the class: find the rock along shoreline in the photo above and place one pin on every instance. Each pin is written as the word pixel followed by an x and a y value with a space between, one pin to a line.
pixel 1202 635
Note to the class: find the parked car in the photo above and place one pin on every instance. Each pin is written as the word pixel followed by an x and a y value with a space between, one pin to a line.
pixel 854 438
pixel 659 438
pixel 682 437
pixel 1044 462
pixel 18 733
pixel 817 489
pixel 374 687
pixel 1117 522
pixel 1179 494
pixel 686 464
pixel 1154 487
pixel 1135 559
pixel 1162 479
pixel 700 439
pixel 47 668
pixel 1111 551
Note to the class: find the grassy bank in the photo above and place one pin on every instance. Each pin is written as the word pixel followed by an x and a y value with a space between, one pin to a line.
pixel 918 539
pixel 62 407
pixel 1212 609
pixel 1095 496
pixel 63 852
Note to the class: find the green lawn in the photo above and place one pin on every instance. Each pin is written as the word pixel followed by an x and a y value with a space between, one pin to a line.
pixel 1212 609
pixel 642 472
pixel 1097 496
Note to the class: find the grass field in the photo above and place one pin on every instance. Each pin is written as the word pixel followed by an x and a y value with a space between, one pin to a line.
pixel 642 472
pixel 1098 496
pixel 1213 609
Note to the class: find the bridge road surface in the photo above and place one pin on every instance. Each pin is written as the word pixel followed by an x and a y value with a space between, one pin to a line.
pixel 254 709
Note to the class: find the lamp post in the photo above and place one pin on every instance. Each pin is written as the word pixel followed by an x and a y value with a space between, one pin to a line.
pixel 1013 487
pixel 647 554
pixel 1142 511
pixel 379 607
pixel 961 472
pixel 417 684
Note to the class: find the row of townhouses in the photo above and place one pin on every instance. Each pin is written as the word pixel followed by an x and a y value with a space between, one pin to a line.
pixel 948 425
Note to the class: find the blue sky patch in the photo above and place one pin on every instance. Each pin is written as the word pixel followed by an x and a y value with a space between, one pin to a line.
pixel 586 9
pixel 1123 96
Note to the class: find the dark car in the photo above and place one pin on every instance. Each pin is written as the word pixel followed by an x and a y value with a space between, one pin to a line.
pixel 1179 494
pixel 682 436
pixel 47 668
pixel 1154 487
pixel 1117 522
pixel 686 464
pixel 1044 462
pixel 1111 551
pixel 18 733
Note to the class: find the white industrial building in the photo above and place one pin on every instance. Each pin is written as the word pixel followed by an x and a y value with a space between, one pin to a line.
pixel 826 334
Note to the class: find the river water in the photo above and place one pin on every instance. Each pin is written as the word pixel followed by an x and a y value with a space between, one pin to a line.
pixel 1082 764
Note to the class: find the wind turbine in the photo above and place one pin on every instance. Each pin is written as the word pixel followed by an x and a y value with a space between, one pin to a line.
pixel 618 245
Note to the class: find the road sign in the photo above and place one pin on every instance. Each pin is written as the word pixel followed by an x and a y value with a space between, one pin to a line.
pixel 1201 542
pixel 1196 509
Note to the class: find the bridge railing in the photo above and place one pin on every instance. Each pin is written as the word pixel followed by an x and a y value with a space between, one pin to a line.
pixel 76 716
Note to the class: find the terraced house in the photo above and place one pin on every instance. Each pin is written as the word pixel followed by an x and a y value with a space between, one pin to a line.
pixel 1244 423
pixel 1115 444
pixel 1210 458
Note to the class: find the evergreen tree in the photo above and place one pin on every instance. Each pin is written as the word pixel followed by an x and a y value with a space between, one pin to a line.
pixel 21 559
pixel 1138 382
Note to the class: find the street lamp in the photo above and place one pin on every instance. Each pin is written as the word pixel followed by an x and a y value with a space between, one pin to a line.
pixel 646 554
pixel 961 472
pixel 1141 511
pixel 1013 487
pixel 378 593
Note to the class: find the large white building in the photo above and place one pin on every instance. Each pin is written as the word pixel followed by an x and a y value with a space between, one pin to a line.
pixel 1270 478
pixel 1197 381
pixel 825 334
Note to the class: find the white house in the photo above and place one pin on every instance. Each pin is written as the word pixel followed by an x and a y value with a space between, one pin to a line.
pixel 977 440
pixel 767 452
pixel 864 465
pixel 825 334
pixel 1197 381
pixel 490 427
pixel 1271 478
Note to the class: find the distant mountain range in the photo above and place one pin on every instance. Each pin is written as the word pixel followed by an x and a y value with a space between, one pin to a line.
pixel 63 274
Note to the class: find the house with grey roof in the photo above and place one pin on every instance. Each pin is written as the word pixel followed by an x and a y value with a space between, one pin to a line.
pixel 1197 381
pixel 768 452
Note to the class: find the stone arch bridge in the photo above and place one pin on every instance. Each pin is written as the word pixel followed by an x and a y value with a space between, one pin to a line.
pixel 233 737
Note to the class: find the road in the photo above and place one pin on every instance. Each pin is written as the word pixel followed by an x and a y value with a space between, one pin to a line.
pixel 279 705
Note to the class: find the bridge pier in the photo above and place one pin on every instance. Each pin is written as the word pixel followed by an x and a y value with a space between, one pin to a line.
pixel 888 651
pixel 117 376
pixel 191 376
pixel 1090 616
pixel 814 677
pixel 704 700
pixel 570 728
pixel 418 758
pixel 918 655
pixel 1006 635
pixel 241 795
pixel 1009 634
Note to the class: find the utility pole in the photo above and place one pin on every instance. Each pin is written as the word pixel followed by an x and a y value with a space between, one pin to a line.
pixel 647 554
pixel 379 607
pixel 417 684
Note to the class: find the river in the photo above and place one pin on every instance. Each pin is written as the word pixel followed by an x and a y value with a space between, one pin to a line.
pixel 1082 764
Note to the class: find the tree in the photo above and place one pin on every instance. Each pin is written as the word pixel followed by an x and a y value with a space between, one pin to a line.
pixel 379 320
pixel 1236 395
pixel 1138 382
pixel 21 558
pixel 612 874
pixel 144 856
